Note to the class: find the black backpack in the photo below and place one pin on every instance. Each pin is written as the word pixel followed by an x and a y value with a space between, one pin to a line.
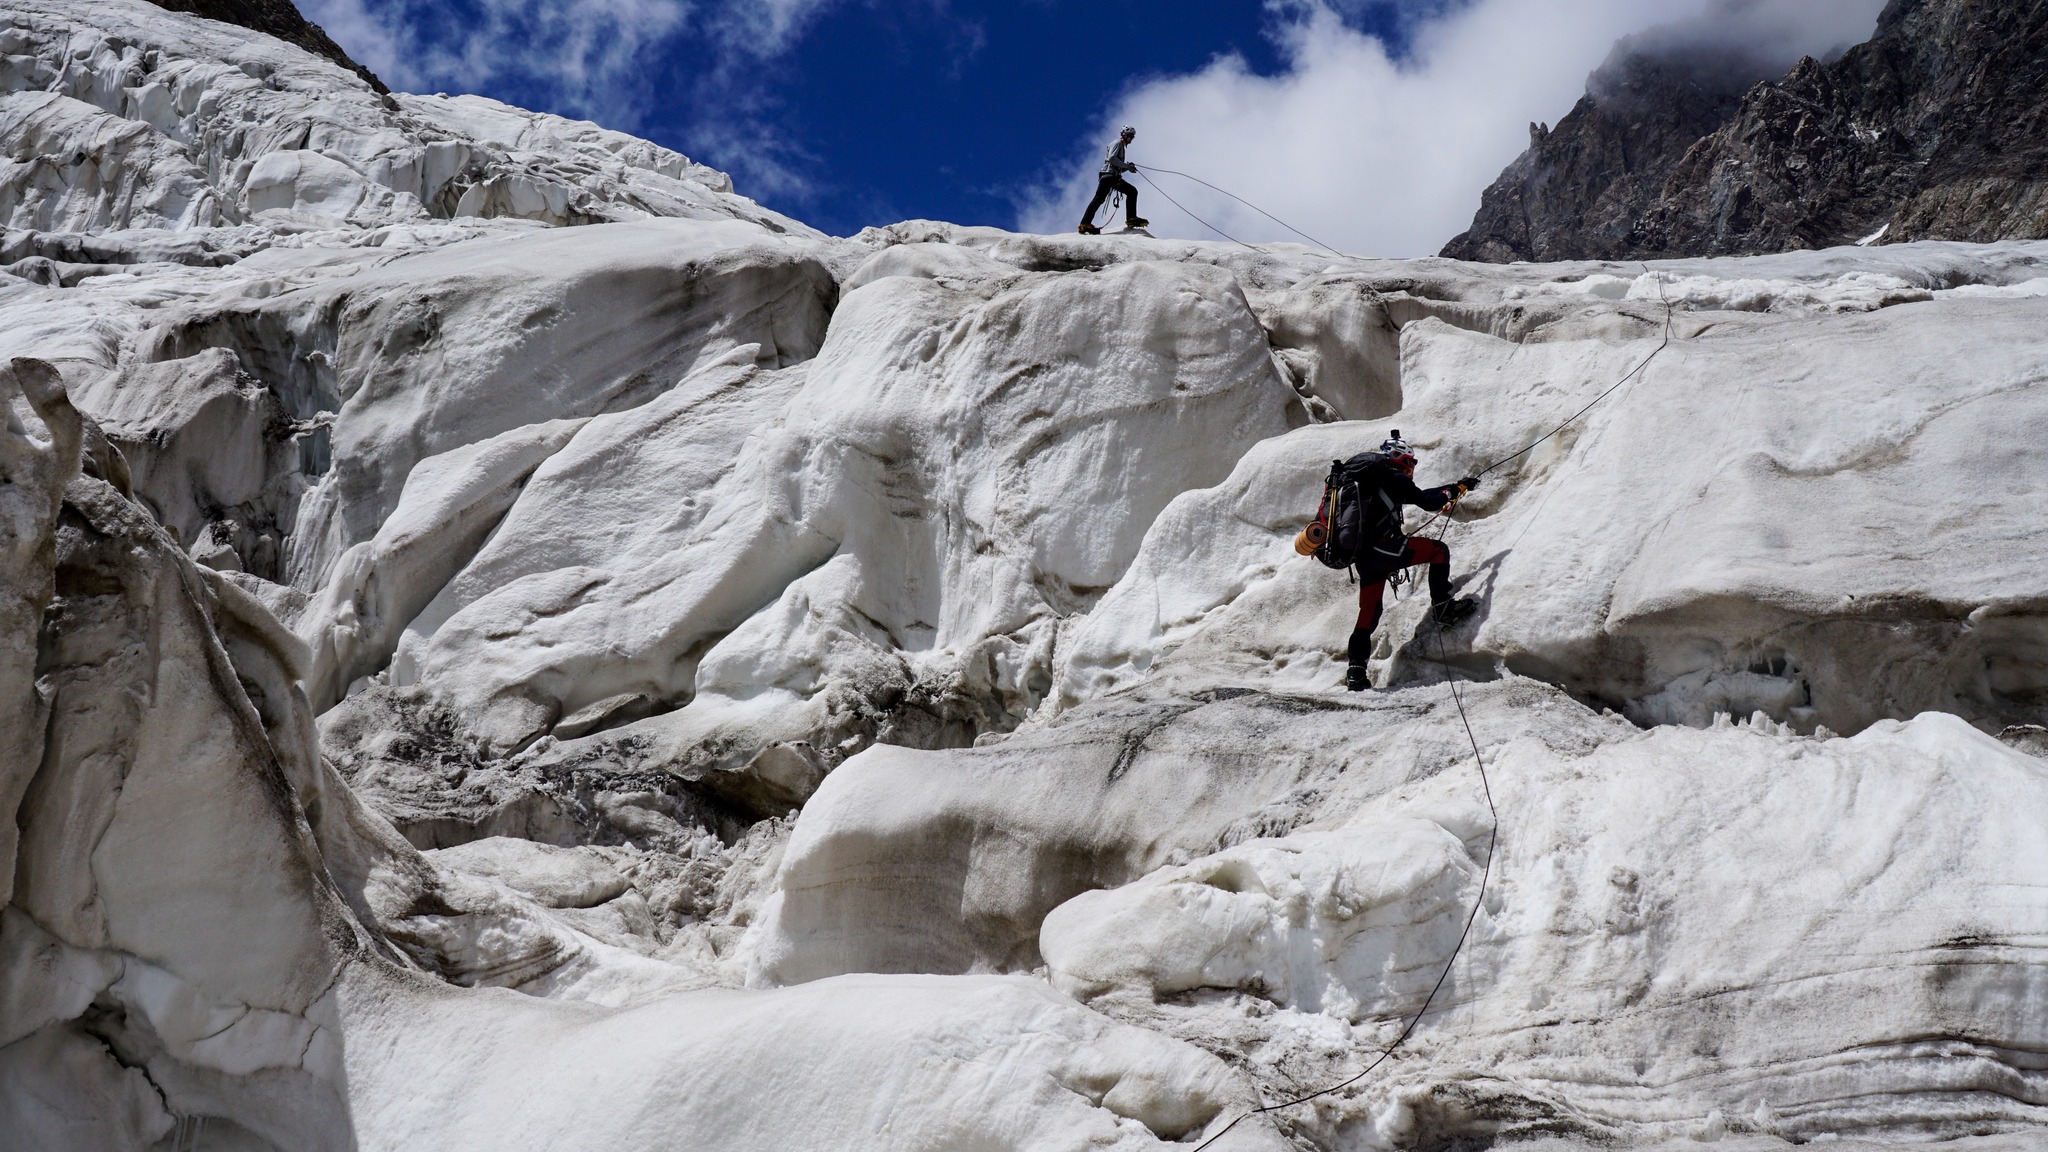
pixel 1353 515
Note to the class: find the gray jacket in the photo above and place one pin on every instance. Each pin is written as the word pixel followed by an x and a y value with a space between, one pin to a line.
pixel 1116 165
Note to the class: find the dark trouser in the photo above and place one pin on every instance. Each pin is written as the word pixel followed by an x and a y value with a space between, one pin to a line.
pixel 1372 591
pixel 1103 188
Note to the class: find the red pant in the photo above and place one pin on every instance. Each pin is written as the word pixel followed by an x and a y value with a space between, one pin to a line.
pixel 1417 551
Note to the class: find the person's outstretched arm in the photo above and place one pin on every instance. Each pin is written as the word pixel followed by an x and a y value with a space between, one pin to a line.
pixel 1404 491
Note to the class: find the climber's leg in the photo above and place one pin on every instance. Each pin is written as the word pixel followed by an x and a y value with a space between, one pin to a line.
pixel 1371 593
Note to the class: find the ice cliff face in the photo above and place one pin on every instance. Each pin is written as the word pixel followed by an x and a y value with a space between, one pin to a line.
pixel 686 680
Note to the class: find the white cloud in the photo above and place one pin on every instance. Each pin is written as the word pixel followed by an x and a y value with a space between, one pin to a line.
pixel 1386 157
pixel 362 34
pixel 580 57
pixel 764 28
pixel 764 161
pixel 1772 33
pixel 594 59
pixel 592 51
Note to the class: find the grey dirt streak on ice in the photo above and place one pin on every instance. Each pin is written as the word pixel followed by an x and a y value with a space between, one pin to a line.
pixel 511 645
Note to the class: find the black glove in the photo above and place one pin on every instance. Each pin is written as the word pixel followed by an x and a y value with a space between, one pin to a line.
pixel 1469 483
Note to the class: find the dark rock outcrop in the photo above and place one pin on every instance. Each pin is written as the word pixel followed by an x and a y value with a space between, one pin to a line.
pixel 1580 188
pixel 279 18
pixel 1933 129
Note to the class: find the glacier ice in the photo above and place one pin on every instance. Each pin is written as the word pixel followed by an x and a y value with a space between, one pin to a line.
pixel 512 644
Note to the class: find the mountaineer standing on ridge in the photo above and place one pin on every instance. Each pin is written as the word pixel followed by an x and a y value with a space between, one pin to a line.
pixel 1359 526
pixel 1111 179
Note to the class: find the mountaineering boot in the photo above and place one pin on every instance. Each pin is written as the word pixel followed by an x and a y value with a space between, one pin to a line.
pixel 1451 613
pixel 1355 679
pixel 1137 222
pixel 1089 230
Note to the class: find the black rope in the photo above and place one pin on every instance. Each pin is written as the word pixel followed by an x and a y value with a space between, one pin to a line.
pixel 1478 901
pixel 1604 395
pixel 1234 196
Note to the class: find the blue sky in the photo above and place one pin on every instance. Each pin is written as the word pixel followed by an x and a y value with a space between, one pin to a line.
pixel 962 111
pixel 955 112
pixel 1374 123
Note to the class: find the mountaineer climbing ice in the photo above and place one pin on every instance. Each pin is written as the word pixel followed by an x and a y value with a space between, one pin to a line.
pixel 1111 179
pixel 1359 526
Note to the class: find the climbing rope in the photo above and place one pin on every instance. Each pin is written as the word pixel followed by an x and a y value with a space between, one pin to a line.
pixel 1144 172
pixel 1143 169
pixel 1197 219
pixel 1478 901
pixel 1632 373
pixel 1442 519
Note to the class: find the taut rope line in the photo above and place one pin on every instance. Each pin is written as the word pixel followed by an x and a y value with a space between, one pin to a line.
pixel 1142 169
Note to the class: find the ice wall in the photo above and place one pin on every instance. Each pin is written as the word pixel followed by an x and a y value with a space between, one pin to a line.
pixel 514 645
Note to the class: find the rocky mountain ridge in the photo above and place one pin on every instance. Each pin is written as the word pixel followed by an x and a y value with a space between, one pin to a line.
pixel 1933 129
pixel 278 18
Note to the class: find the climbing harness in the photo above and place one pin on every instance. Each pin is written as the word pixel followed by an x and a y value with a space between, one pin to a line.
pixel 1442 518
